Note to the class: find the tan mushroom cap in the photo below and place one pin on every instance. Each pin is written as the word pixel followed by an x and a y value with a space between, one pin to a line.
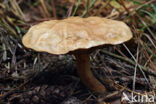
pixel 73 33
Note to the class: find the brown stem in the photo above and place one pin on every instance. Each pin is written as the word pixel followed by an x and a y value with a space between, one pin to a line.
pixel 86 76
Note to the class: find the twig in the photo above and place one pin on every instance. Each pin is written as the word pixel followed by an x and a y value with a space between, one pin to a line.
pixel 123 4
pixel 137 93
pixel 134 78
pixel 53 9
pixel 44 7
pixel 70 10
pixel 149 38
pixel 17 10
pixel 147 70
pixel 13 90
pixel 138 64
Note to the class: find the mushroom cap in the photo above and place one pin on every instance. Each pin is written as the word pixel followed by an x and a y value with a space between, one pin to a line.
pixel 73 33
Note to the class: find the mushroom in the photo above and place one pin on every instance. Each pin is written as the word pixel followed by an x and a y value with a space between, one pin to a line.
pixel 77 36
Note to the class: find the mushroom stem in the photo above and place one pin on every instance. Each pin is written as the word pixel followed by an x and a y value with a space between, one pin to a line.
pixel 86 76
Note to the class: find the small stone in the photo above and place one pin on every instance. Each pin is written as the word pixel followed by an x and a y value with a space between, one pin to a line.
pixel 37 88
pixel 33 92
pixel 56 91
pixel 42 102
pixel 42 93
pixel 44 86
pixel 62 94
pixel 48 92
pixel 72 100
pixel 21 100
pixel 35 99
pixel 27 100
pixel 30 93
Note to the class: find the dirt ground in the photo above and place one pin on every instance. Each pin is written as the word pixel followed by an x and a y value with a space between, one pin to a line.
pixel 30 77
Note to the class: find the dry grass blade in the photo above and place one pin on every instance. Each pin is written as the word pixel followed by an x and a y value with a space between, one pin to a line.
pixel 30 77
pixel 45 8
pixel 53 9
pixel 135 70
pixel 148 70
pixel 17 10
pixel 138 64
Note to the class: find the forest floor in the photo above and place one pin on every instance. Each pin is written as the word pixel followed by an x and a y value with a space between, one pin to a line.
pixel 30 77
